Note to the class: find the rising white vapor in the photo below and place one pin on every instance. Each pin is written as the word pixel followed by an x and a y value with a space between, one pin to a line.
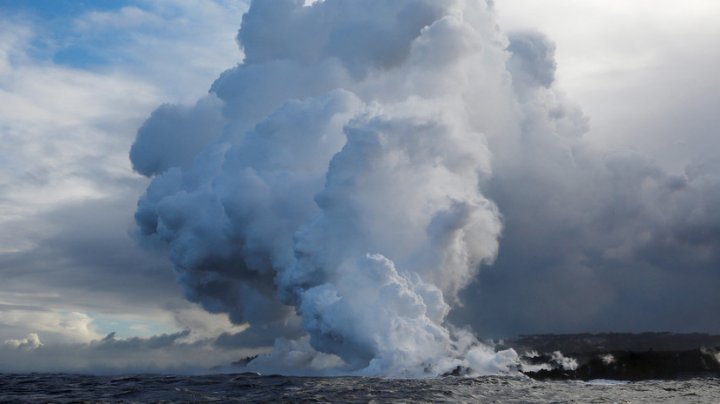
pixel 330 191
pixel 336 177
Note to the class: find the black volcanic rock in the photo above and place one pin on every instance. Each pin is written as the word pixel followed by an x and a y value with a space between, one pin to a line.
pixel 457 372
pixel 628 365
pixel 621 356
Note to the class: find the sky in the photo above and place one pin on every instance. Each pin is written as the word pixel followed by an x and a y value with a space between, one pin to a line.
pixel 79 80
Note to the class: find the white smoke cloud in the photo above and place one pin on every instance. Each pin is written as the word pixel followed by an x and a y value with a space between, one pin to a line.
pixel 607 359
pixel 563 361
pixel 345 182
pixel 342 185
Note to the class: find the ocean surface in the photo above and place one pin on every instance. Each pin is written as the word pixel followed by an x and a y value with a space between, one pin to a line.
pixel 65 388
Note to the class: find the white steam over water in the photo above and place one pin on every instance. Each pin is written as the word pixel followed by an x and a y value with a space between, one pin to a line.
pixel 329 192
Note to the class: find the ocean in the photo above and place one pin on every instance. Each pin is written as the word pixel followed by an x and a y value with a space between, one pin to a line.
pixel 248 388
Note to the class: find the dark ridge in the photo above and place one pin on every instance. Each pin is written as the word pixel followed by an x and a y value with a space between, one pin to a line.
pixel 457 372
pixel 621 356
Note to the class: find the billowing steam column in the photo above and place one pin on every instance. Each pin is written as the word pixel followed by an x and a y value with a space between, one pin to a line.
pixel 328 190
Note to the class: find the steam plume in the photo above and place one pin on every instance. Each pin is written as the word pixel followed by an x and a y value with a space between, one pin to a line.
pixel 329 190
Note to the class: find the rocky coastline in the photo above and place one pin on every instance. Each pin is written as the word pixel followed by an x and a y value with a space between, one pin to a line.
pixel 618 356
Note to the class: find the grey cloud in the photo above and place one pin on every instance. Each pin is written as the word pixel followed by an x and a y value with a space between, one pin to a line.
pixel 596 242
pixel 259 336
pixel 110 342
pixel 361 34
pixel 174 134
pixel 532 60
pixel 593 241
pixel 87 259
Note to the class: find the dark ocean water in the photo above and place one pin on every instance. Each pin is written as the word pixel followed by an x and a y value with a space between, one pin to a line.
pixel 247 388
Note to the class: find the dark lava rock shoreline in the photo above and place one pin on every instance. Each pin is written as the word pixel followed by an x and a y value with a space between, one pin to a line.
pixel 618 356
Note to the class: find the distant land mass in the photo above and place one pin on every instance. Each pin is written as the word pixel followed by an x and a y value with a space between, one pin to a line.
pixel 620 356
